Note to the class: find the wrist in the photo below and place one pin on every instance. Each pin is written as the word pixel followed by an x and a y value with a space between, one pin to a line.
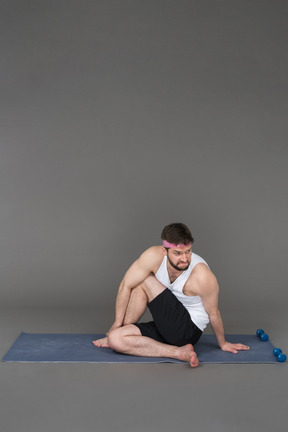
pixel 222 344
pixel 117 323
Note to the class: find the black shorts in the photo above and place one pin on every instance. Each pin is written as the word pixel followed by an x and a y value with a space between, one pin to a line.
pixel 171 323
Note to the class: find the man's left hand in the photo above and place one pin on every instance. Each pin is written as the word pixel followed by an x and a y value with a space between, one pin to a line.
pixel 234 348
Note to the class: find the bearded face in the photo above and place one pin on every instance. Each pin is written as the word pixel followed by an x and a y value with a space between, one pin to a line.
pixel 180 258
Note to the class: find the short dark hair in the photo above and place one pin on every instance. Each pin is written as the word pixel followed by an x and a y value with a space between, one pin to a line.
pixel 177 233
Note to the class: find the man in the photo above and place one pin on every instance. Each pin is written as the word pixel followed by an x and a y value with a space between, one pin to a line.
pixel 181 293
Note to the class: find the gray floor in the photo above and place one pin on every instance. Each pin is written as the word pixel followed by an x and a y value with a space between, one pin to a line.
pixel 137 397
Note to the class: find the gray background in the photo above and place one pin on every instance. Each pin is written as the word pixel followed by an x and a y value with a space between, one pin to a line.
pixel 118 117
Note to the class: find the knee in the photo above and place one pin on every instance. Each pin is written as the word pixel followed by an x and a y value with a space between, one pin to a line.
pixel 117 338
pixel 152 287
pixel 148 282
pixel 114 339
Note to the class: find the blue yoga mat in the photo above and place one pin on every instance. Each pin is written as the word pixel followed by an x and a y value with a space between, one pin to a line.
pixel 78 348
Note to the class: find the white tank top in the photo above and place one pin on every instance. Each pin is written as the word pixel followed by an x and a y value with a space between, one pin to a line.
pixel 193 304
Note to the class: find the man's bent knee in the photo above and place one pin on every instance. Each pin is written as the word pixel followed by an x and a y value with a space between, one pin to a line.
pixel 116 338
pixel 152 287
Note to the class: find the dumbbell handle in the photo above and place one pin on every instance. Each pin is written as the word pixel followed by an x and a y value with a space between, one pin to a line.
pixel 277 351
pixel 279 355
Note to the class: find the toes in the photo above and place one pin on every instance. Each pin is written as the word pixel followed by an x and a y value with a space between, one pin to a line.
pixel 101 343
pixel 97 343
pixel 194 362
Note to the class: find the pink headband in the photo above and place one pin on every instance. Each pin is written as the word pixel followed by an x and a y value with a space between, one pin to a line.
pixel 166 244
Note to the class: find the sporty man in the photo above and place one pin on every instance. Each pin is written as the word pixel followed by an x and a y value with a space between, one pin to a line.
pixel 181 293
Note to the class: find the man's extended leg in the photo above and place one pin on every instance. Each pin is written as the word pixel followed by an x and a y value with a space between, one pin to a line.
pixel 128 340
pixel 135 309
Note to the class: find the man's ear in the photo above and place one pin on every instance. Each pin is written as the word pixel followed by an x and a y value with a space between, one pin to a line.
pixel 164 250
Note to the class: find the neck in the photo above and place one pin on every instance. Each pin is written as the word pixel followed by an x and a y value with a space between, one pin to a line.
pixel 172 272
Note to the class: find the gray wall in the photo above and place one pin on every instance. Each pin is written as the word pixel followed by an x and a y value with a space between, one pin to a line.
pixel 118 117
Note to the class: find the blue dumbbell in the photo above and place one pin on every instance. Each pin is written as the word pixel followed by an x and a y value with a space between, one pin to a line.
pixel 279 355
pixel 262 335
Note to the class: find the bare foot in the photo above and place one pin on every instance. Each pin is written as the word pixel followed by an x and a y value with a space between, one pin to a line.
pixel 102 342
pixel 187 353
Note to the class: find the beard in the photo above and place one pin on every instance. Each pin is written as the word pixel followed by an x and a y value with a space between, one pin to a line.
pixel 176 267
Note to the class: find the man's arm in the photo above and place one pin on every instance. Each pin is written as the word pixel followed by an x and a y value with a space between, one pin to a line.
pixel 208 289
pixel 134 276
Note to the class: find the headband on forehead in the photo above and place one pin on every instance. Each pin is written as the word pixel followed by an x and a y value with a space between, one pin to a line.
pixel 168 245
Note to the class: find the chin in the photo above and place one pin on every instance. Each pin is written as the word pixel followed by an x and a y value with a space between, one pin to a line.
pixel 182 268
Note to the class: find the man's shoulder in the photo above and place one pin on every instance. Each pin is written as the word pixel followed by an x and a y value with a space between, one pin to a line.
pixel 204 278
pixel 201 280
pixel 152 256
pixel 202 272
pixel 154 252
